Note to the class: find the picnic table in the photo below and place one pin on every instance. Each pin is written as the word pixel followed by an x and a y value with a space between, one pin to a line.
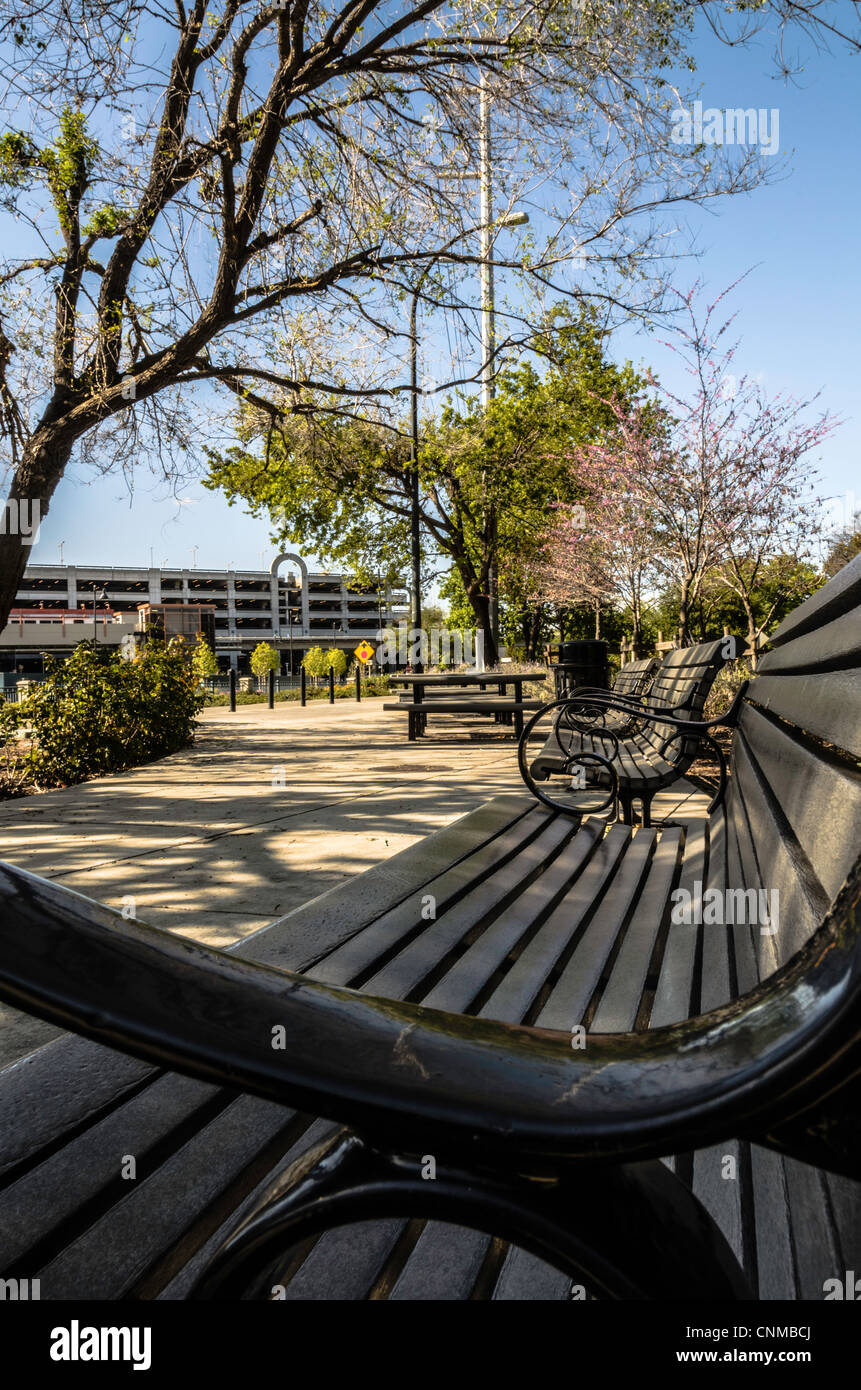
pixel 468 688
pixel 480 679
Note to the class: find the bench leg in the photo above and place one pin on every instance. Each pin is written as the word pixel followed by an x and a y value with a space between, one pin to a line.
pixel 412 720
pixel 624 1231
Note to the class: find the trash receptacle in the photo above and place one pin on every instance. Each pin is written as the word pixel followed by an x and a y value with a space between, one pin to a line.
pixel 575 664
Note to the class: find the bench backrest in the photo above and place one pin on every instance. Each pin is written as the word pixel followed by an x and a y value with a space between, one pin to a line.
pixel 682 683
pixel 635 677
pixel 794 805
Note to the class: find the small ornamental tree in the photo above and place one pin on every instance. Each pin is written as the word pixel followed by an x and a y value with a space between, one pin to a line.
pixel 337 659
pixel 204 662
pixel 315 662
pixel 719 476
pixel 603 553
pixel 264 659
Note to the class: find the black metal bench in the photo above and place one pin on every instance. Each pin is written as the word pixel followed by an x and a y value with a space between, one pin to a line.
pixel 635 677
pixel 730 1053
pixel 630 747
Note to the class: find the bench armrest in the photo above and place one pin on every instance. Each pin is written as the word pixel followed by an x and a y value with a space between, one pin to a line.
pixel 421 1080
pixel 606 700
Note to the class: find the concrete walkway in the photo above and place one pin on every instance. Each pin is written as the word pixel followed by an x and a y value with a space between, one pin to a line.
pixel 267 809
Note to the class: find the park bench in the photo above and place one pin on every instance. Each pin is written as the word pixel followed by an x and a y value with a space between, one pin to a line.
pixel 699 1140
pixel 630 747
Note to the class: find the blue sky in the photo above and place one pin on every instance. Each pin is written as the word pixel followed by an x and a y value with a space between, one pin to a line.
pixel 797 317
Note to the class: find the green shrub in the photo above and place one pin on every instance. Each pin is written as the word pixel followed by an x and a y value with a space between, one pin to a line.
pixel 728 683
pixel 98 713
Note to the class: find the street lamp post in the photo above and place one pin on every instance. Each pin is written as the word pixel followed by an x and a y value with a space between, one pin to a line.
pixel 514 219
pixel 99 592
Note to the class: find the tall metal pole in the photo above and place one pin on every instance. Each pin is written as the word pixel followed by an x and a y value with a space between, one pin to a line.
pixel 415 530
pixel 486 220
pixel 488 326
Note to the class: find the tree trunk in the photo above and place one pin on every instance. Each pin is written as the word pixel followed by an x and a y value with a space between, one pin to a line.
pixel 480 604
pixel 34 484
pixel 751 632
pixel 684 615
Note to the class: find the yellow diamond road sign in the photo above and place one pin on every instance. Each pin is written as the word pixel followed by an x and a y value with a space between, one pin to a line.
pixel 364 651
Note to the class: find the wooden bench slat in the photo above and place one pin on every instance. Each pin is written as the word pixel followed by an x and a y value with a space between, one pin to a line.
pixel 826 705
pixel 836 645
pixel 515 994
pixel 775 861
pixel 620 1002
pixel 673 1000
pixel 495 873
pixel 462 982
pixel 580 978
pixel 775 1259
pixel 344 1263
pixel 444 1265
pixel 402 975
pixel 116 1251
pixel 806 787
pixel 524 1276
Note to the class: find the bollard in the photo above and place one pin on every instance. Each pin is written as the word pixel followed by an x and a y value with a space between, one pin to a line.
pixel 233 689
pixel 358 683
pixel 271 684
pixel 331 685
pixel 302 685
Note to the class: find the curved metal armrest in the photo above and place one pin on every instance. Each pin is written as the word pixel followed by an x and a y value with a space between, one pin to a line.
pixel 414 1077
pixel 665 715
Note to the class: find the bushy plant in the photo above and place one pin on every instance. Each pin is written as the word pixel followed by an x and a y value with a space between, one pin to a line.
pixel 98 713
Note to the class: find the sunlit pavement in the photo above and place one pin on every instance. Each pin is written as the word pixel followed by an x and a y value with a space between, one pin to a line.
pixel 267 809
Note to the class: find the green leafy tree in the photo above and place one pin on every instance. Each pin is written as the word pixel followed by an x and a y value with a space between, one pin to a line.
pixel 487 478
pixel 337 659
pixel 315 662
pixel 843 547
pixel 314 150
pixel 264 659
pixel 204 662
